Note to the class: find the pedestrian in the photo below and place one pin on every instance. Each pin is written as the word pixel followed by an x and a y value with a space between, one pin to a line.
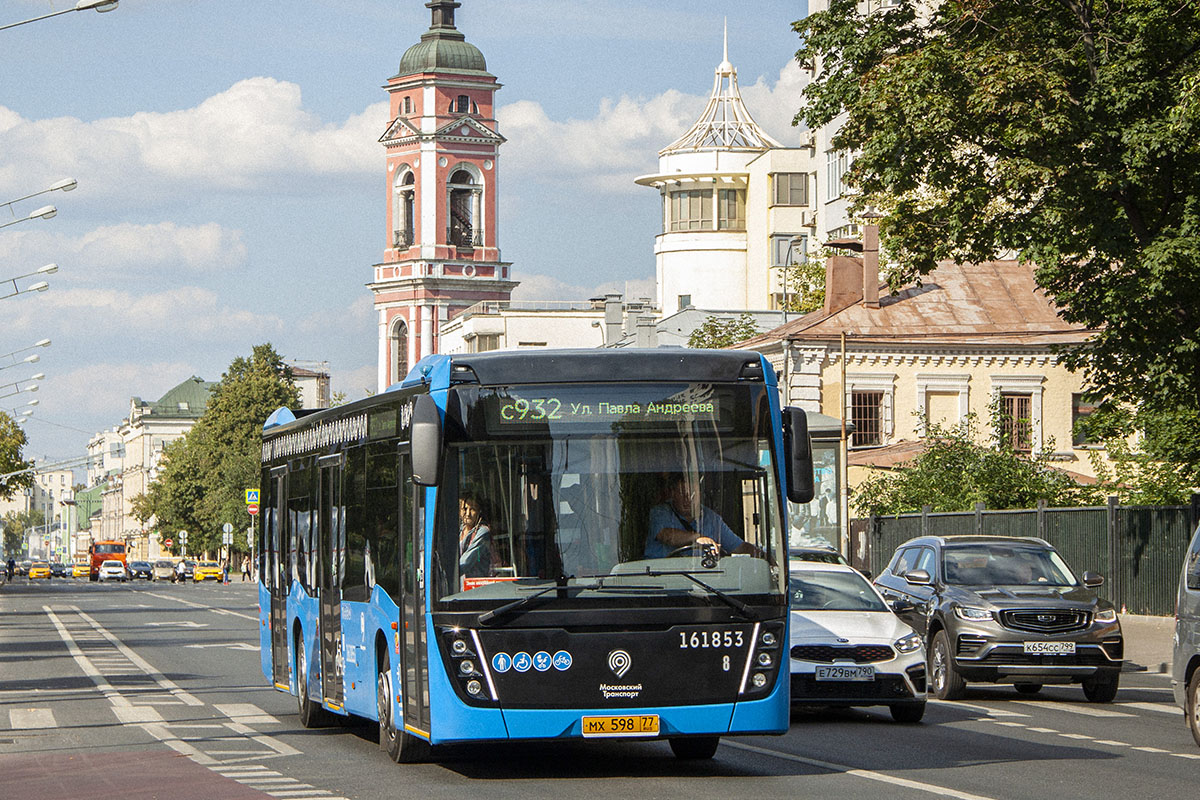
pixel 180 572
pixel 245 569
pixel 9 567
pixel 224 570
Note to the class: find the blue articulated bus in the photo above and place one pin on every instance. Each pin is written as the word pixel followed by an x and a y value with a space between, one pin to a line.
pixel 537 546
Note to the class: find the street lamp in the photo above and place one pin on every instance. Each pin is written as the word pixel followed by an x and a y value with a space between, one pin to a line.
pixel 18 388
pixel 33 358
pixel 65 185
pixel 83 5
pixel 45 212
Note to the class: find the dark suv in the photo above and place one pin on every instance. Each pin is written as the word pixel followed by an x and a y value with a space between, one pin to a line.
pixel 1004 610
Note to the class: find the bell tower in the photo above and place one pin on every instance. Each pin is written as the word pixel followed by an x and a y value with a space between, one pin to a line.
pixel 442 253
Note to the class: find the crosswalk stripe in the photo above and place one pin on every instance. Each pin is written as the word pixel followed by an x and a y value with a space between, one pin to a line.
pixel 1073 708
pixel 27 718
pixel 246 713
pixel 1164 708
pixel 989 710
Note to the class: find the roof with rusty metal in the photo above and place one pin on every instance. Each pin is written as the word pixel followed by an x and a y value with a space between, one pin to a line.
pixel 990 303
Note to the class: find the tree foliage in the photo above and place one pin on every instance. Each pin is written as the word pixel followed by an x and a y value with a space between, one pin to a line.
pixel 202 477
pixel 1153 457
pixel 12 441
pixel 16 525
pixel 955 472
pixel 718 332
pixel 1067 131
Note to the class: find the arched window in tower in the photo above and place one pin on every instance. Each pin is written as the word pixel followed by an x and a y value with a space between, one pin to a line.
pixel 466 196
pixel 463 106
pixel 399 347
pixel 403 208
pixel 408 105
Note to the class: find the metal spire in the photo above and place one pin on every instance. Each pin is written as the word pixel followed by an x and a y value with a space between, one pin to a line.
pixel 725 123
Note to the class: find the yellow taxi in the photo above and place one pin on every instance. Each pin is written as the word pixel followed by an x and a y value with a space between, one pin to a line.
pixel 205 570
pixel 39 569
pixel 80 570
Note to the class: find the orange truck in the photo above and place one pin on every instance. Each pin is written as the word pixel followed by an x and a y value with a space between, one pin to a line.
pixel 99 552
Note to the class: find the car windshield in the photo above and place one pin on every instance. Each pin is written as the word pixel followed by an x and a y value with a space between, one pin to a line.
pixel 163 564
pixel 117 564
pixel 549 483
pixel 819 556
pixel 817 590
pixel 1005 565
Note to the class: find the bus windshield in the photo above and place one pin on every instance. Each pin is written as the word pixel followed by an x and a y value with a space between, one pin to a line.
pixel 604 487
pixel 102 549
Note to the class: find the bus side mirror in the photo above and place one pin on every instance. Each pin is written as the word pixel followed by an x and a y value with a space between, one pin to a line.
pixel 426 441
pixel 797 448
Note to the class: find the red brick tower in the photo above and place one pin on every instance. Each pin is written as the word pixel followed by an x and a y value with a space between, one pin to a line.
pixel 442 146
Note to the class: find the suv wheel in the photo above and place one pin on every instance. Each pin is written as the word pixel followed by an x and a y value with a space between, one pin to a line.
pixel 1192 709
pixel 1101 689
pixel 944 679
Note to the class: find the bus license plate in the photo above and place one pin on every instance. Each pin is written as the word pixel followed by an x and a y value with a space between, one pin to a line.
pixel 629 725
pixel 861 673
pixel 1050 648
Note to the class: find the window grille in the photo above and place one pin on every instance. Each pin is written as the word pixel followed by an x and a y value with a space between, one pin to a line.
pixel 866 412
pixel 1016 415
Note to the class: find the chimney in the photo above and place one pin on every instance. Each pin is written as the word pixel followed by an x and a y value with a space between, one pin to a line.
pixel 870 266
pixel 612 318
pixel 843 282
pixel 646 333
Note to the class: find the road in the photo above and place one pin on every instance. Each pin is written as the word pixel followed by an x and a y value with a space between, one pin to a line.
pixel 154 690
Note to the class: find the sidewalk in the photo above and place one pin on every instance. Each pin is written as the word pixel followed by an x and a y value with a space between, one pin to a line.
pixel 1148 642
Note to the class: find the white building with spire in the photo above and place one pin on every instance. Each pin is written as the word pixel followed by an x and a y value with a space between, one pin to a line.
pixel 733 201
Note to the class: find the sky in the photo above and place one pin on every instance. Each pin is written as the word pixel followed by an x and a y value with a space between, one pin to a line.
pixel 231 187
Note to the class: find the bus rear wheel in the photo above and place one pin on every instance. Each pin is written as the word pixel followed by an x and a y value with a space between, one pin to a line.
pixel 695 748
pixel 400 745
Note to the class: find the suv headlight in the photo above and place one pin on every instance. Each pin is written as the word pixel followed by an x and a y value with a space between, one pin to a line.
pixel 906 644
pixel 977 614
pixel 1106 615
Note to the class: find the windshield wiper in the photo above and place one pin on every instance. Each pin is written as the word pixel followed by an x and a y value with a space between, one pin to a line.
pixel 737 605
pixel 560 585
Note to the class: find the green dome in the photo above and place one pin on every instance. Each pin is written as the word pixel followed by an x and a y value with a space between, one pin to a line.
pixel 442 51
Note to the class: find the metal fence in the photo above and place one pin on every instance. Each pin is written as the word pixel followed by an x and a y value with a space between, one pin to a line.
pixel 1138 549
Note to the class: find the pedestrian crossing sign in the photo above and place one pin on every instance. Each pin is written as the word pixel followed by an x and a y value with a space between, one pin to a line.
pixel 251 496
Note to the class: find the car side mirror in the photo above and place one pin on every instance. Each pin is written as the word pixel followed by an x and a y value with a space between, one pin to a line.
pixel 1092 581
pixel 918 577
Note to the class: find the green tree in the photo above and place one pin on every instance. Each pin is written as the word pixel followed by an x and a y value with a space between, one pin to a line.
pixel 1150 454
pixel 203 476
pixel 955 472
pixel 12 441
pixel 1067 131
pixel 16 525
pixel 718 332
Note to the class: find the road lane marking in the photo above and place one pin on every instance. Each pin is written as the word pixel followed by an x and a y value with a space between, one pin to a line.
pixel 1185 755
pixel 1164 708
pixel 1151 750
pixel 246 713
pixel 1075 736
pixel 1042 730
pixel 930 788
pixel 1073 708
pixel 136 714
pixel 31 718
pixel 227 646
pixel 251 617
pixel 1112 742
pixel 991 712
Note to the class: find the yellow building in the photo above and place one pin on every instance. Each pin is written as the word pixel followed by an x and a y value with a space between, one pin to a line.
pixel 969 339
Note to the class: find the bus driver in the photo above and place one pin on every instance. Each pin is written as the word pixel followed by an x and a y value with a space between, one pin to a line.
pixel 682 521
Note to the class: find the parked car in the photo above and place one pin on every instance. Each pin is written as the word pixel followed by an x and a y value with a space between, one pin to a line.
pixel 23 567
pixel 163 570
pixel 80 570
pixel 189 569
pixel 825 555
pixel 38 569
pixel 1185 663
pixel 58 569
pixel 206 570
pixel 141 569
pixel 113 570
pixel 1004 610
pixel 848 648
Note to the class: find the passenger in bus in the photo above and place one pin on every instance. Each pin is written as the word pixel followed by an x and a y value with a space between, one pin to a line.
pixel 474 537
pixel 683 522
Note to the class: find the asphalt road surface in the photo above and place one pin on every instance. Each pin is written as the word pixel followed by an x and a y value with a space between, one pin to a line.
pixel 145 691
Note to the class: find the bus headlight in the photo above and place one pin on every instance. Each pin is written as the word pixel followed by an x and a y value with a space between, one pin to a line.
pixel 458 647
pixel 758 680
pixel 768 639
pixel 765 660
pixel 466 667
pixel 474 688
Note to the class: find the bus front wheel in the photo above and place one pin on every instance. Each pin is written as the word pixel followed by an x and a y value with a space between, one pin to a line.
pixel 695 748
pixel 400 745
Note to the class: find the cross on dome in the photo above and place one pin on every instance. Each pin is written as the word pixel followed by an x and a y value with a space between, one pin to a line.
pixel 726 124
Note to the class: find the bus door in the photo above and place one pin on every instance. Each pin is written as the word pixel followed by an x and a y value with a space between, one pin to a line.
pixel 331 551
pixel 274 570
pixel 412 612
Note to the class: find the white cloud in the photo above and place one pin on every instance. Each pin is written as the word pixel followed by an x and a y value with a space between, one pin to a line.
pixel 111 385
pixel 256 129
pixel 126 248
pixel 622 140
